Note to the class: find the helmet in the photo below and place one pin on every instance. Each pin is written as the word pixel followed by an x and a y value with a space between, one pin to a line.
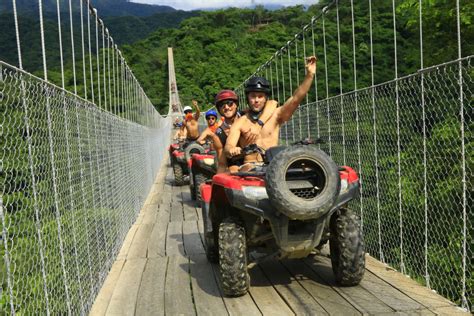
pixel 226 95
pixel 211 112
pixel 187 108
pixel 257 84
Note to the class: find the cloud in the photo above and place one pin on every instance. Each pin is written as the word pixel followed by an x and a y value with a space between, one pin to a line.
pixel 188 5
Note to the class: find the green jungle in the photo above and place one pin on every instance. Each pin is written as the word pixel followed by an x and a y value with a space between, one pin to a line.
pixel 219 49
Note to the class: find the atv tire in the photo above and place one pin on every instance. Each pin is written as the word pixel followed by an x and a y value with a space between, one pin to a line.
pixel 321 191
pixel 193 149
pixel 347 247
pixel 192 186
pixel 210 240
pixel 235 279
pixel 199 179
pixel 178 174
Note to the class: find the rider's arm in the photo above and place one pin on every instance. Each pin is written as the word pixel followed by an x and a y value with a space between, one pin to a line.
pixel 221 163
pixel 206 133
pixel 198 111
pixel 286 111
pixel 233 138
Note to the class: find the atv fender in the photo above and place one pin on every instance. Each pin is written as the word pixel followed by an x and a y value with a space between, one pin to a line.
pixel 206 190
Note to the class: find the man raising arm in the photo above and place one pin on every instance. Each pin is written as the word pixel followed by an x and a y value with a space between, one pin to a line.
pixel 257 91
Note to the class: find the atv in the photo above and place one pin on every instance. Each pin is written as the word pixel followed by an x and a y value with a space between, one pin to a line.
pixel 287 207
pixel 180 157
pixel 202 168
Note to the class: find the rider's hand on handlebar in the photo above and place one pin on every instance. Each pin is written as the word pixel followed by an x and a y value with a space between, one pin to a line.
pixel 234 152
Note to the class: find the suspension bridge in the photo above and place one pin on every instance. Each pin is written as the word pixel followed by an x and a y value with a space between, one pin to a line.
pixel 93 223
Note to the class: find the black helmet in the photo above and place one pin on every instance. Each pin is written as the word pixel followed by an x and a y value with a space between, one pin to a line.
pixel 257 84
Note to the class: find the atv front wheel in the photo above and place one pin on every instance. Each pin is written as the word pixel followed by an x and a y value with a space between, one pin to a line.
pixel 235 279
pixel 210 240
pixel 192 186
pixel 199 179
pixel 347 247
pixel 178 174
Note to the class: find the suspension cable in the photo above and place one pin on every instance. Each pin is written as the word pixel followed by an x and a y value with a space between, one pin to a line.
pixel 464 303
pixel 325 9
pixel 356 96
pixel 374 116
pixel 402 264
pixel 340 84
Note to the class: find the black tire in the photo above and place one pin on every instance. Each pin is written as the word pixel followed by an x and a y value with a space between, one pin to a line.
pixel 192 187
pixel 210 236
pixel 235 279
pixel 178 173
pixel 347 247
pixel 199 179
pixel 318 197
pixel 193 149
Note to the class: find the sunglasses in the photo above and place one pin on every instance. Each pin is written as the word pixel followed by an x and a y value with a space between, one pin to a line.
pixel 226 102
pixel 211 118
pixel 186 112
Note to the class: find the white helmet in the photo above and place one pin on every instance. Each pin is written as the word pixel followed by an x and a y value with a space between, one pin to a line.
pixel 187 108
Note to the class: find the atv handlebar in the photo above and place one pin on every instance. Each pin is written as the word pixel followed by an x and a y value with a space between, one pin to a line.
pixel 247 150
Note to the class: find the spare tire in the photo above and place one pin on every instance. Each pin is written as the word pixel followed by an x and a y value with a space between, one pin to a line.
pixel 193 149
pixel 302 182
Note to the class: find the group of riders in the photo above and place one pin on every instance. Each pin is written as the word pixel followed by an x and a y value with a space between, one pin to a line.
pixel 259 124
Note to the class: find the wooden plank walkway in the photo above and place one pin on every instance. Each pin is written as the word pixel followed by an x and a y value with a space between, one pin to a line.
pixel 162 270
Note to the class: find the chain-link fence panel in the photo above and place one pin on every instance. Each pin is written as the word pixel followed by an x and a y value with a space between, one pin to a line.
pixel 74 178
pixel 411 141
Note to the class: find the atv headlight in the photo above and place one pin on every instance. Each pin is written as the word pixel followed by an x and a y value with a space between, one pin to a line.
pixel 255 193
pixel 344 185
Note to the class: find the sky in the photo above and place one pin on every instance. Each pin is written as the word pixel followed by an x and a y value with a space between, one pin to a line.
pixel 188 5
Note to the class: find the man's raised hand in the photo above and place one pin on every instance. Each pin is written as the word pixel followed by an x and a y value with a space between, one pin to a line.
pixel 311 64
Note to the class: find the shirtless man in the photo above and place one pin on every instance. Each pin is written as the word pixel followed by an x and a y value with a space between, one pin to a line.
pixel 257 91
pixel 191 121
pixel 226 102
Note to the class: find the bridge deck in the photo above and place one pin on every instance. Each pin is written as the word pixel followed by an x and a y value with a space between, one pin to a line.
pixel 162 269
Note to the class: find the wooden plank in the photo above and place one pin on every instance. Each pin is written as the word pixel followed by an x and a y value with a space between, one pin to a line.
pixel 174 239
pixel 178 296
pixel 157 242
pixel 151 295
pixel 265 296
pixel 329 299
pixel 200 225
pixel 186 195
pixel 364 301
pixel 192 240
pixel 150 213
pixel 176 212
pixel 388 294
pixel 139 246
pixel 206 293
pixel 124 298
pixel 103 298
pixel 298 299
pixel 242 305
pixel 189 213
pixel 127 242
pixel 420 293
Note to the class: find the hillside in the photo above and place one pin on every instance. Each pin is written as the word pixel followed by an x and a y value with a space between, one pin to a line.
pixel 220 49
pixel 105 7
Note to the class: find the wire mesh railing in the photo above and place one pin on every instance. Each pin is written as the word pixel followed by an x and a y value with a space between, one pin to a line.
pixel 80 148
pixel 409 137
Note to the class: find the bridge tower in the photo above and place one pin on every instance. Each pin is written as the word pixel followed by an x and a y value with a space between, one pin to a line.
pixel 175 108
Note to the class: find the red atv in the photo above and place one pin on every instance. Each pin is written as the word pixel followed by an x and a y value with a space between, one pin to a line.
pixel 295 202
pixel 180 157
